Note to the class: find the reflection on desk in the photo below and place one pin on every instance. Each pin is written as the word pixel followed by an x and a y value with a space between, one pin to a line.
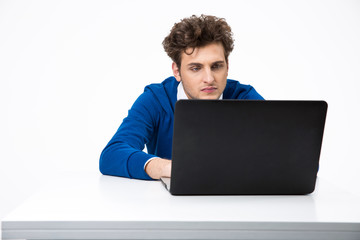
pixel 93 206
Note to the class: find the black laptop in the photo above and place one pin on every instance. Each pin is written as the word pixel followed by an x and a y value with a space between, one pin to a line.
pixel 228 147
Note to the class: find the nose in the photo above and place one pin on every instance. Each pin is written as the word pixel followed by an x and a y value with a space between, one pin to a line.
pixel 208 76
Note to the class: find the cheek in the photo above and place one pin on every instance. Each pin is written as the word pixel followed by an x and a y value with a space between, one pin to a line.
pixel 222 77
pixel 222 82
pixel 194 85
pixel 192 80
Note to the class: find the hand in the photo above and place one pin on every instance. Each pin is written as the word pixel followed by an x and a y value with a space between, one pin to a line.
pixel 158 167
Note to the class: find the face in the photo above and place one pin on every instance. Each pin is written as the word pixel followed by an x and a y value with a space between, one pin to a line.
pixel 204 72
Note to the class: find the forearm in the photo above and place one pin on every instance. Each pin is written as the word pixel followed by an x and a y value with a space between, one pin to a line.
pixel 123 155
pixel 120 159
pixel 158 167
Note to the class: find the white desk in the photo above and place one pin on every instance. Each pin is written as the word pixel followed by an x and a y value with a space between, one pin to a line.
pixel 92 206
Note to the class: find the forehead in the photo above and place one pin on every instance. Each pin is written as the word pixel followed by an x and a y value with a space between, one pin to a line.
pixel 208 54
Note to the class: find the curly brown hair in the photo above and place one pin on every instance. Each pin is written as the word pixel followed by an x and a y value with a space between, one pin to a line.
pixel 194 32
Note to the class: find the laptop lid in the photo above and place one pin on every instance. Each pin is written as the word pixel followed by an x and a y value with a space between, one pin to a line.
pixel 246 146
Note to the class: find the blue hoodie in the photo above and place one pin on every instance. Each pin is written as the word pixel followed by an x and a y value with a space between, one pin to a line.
pixel 150 122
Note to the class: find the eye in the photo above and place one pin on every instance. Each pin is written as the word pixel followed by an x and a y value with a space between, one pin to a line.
pixel 217 66
pixel 195 69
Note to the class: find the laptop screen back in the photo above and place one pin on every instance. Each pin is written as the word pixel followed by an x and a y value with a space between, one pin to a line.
pixel 246 147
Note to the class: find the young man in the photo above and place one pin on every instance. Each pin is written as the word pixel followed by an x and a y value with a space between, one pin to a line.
pixel 199 48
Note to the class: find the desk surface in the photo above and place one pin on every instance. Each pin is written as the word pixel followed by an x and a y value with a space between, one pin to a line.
pixel 92 206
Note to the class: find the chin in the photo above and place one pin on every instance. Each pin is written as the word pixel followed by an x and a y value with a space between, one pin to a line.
pixel 210 97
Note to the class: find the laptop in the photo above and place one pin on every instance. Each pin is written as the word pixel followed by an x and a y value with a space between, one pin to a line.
pixel 246 147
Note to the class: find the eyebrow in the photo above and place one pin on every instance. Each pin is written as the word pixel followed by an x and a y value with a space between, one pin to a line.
pixel 200 64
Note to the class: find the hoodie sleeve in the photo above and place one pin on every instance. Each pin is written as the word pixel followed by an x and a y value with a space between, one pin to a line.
pixel 123 155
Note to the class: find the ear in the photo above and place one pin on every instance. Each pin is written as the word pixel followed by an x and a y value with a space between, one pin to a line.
pixel 176 72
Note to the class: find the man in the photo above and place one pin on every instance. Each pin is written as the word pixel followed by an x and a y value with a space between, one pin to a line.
pixel 199 48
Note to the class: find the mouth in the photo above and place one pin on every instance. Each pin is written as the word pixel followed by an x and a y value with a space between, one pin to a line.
pixel 209 89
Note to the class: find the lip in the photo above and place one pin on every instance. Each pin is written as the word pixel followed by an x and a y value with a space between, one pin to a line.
pixel 208 89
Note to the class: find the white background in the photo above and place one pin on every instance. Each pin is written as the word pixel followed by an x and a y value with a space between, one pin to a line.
pixel 70 70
